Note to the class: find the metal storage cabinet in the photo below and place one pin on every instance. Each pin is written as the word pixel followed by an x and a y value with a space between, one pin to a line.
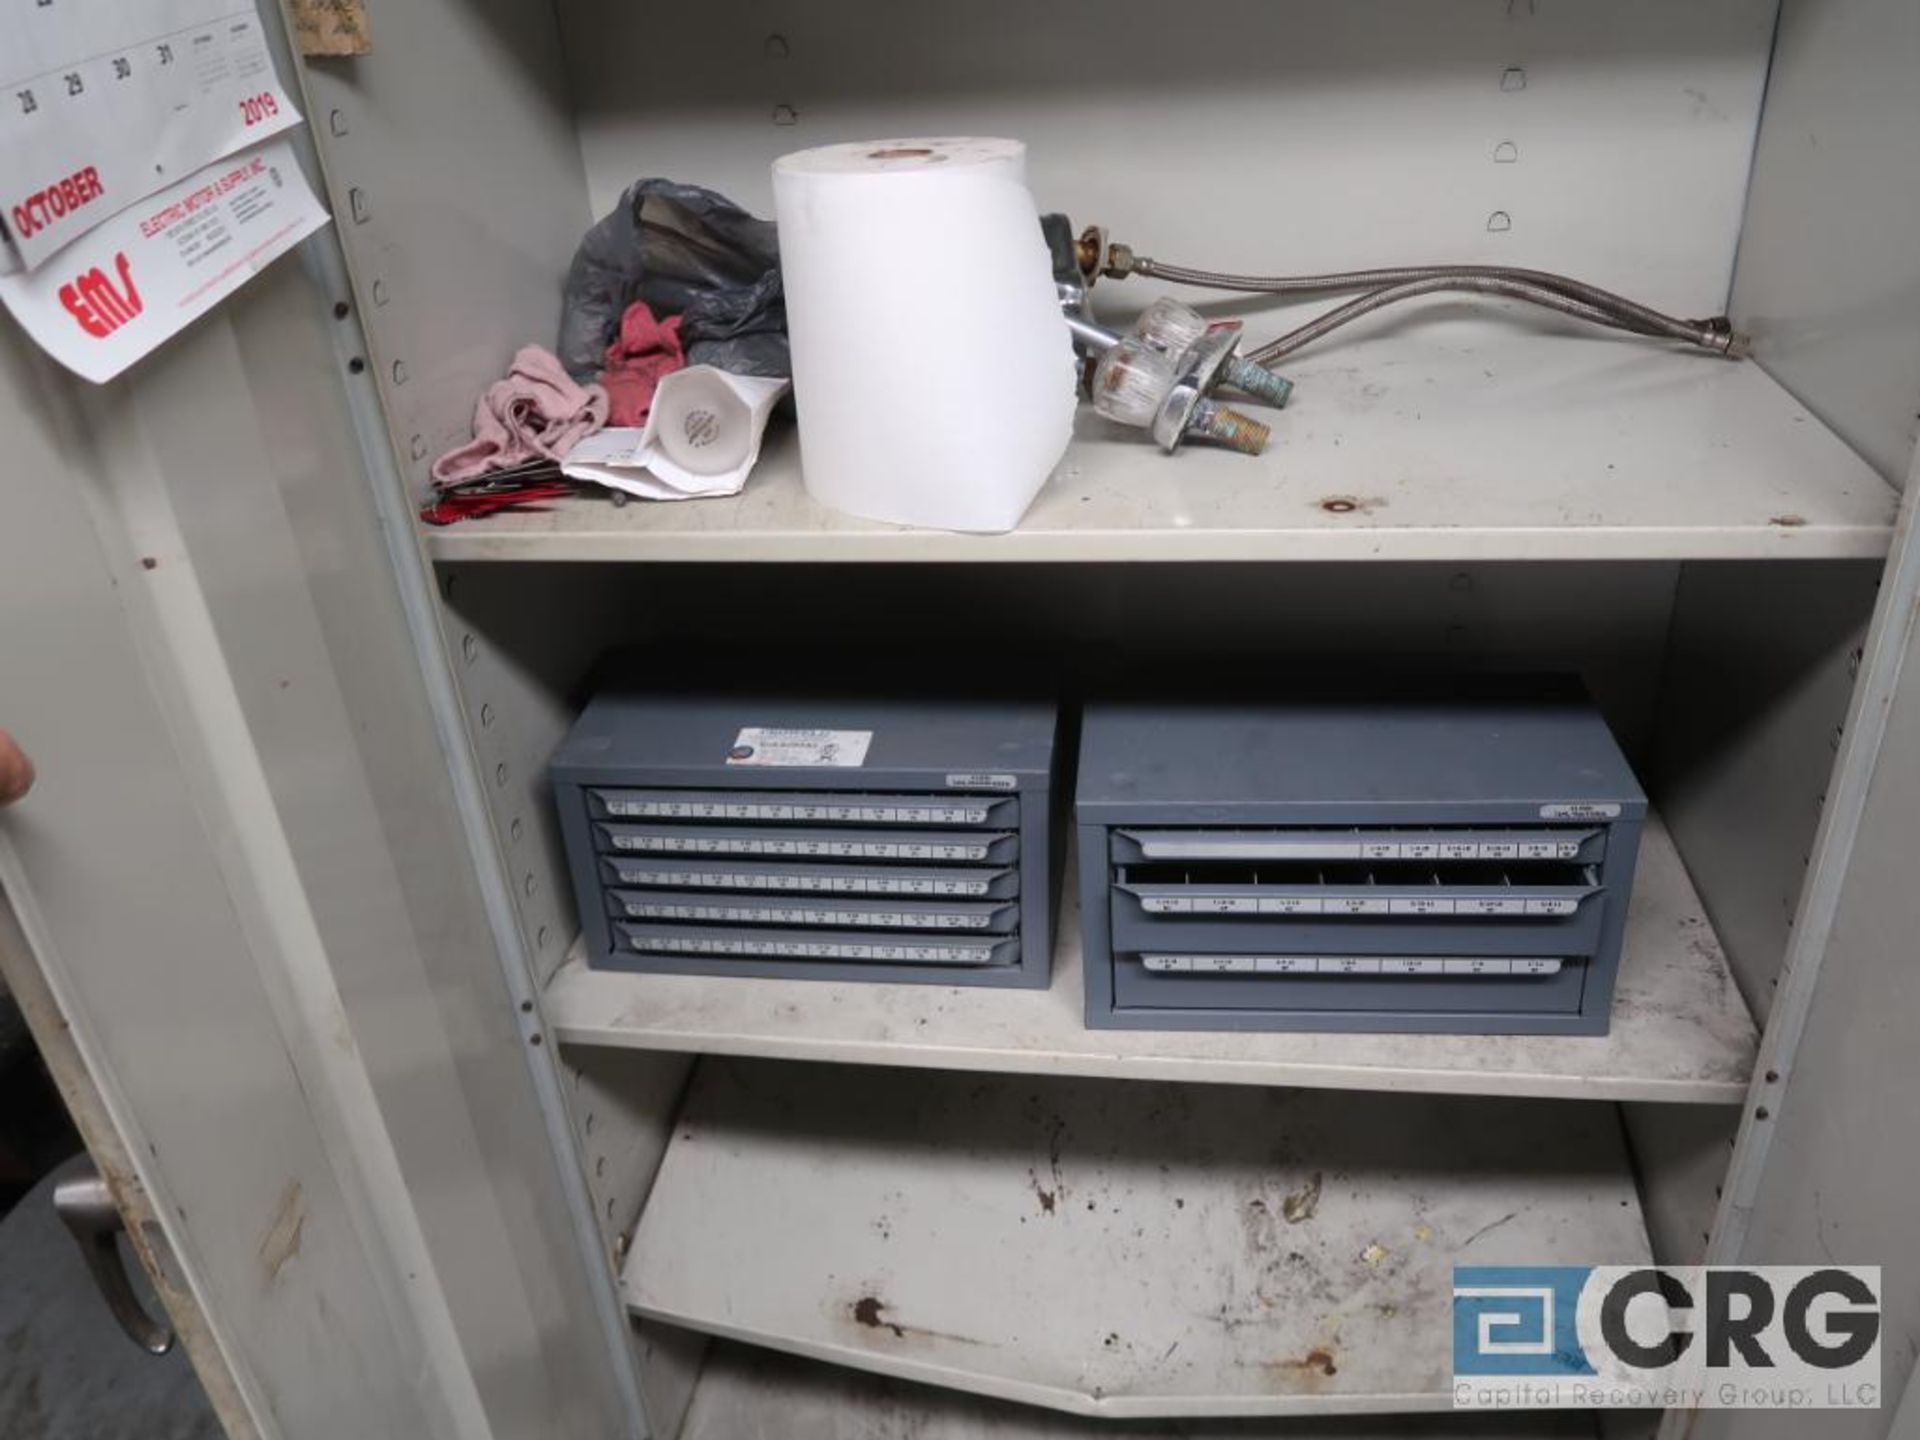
pixel 288 910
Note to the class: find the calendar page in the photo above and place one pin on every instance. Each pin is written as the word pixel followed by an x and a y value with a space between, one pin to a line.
pixel 127 285
pixel 107 101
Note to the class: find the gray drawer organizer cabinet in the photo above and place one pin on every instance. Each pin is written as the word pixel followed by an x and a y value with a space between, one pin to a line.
pixel 887 841
pixel 292 913
pixel 1411 862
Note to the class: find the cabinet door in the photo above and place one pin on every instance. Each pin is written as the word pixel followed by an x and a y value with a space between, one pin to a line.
pixel 249 880
pixel 1828 1156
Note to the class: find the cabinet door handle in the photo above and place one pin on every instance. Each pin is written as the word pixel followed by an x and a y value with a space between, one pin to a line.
pixel 86 1205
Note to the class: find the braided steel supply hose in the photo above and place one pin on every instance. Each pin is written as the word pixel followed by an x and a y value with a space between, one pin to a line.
pixel 1703 335
pixel 1388 286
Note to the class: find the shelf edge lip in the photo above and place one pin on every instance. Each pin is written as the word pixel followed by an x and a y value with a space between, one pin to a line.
pixel 1053 1398
pixel 1435 544
pixel 1301 1075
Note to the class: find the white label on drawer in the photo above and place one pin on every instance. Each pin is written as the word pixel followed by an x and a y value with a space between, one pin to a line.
pixel 973 780
pixel 1403 965
pixel 1536 967
pixel 834 749
pixel 1350 965
pixel 1489 905
pixel 1285 964
pixel 1581 810
pixel 1479 967
pixel 1223 964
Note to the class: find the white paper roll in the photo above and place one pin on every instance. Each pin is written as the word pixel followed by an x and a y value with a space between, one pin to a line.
pixel 932 369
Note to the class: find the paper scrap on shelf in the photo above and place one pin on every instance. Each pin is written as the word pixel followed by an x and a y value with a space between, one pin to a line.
pixel 626 458
pixel 123 288
pixel 106 104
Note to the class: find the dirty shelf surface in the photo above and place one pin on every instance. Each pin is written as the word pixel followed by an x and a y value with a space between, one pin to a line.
pixel 1149 1250
pixel 1437 438
pixel 747 1394
pixel 1680 1029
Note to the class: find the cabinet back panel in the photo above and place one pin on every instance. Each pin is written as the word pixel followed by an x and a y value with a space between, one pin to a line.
pixel 1272 135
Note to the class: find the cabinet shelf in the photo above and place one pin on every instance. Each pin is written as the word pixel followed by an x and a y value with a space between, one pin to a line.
pixel 1150 1250
pixel 1457 439
pixel 1680 1029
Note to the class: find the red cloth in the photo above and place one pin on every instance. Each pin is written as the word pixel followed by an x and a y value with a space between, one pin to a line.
pixel 647 351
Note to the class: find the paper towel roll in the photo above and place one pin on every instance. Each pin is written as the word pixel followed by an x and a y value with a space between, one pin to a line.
pixel 932 369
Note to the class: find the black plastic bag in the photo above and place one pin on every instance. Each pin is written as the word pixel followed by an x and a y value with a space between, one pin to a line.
pixel 689 252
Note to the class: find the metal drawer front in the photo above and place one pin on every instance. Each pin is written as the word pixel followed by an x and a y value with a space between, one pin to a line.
pixel 748 909
pixel 1580 843
pixel 803 807
pixel 1427 965
pixel 1281 983
pixel 775 882
pixel 1134 929
pixel 887 846
pixel 873 839
pixel 1509 902
pixel 1285 905
pixel 946 883
pixel 817 945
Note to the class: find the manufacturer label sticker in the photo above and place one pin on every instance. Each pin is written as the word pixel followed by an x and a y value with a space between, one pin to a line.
pixel 814 749
pixel 1581 810
pixel 974 780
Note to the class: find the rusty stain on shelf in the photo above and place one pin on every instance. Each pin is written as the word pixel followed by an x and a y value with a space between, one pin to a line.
pixel 1350 504
pixel 1045 1196
pixel 1307 1372
pixel 867 1311
pixel 870 1312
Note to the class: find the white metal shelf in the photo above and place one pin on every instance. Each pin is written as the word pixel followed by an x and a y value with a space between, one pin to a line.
pixel 1451 439
pixel 1151 1250
pixel 749 1394
pixel 1680 1029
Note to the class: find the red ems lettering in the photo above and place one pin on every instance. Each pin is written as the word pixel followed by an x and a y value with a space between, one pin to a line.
pixel 43 207
pixel 100 307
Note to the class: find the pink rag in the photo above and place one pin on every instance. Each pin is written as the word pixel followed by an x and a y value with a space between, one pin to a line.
pixel 537 412
pixel 647 351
